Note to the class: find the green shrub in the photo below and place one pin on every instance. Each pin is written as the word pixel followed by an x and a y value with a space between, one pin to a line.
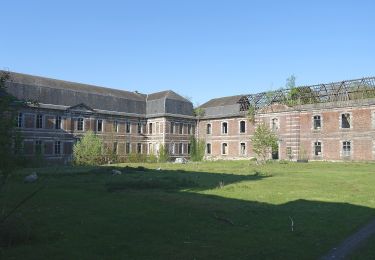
pixel 88 150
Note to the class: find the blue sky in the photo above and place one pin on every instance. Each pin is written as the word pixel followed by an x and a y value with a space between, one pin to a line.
pixel 201 49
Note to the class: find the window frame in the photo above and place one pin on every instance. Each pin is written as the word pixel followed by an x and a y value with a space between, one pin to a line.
pixel 101 125
pixel 314 120
pixel 39 121
pixel 209 128
pixel 350 120
pixel 78 123
pixel 226 149
pixel 222 128
pixel 240 127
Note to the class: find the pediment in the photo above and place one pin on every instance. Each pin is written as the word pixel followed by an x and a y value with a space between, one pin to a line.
pixel 81 108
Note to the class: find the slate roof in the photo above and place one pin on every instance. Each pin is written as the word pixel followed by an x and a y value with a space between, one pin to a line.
pixel 224 101
pixel 170 94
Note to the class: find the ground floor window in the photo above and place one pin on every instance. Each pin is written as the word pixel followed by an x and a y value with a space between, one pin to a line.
pixel 57 147
pixel 318 148
pixel 139 148
pixel 224 148
pixel 208 148
pixel 38 147
pixel 346 148
pixel 242 149
pixel 127 148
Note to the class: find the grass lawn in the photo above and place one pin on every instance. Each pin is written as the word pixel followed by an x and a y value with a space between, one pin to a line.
pixel 210 210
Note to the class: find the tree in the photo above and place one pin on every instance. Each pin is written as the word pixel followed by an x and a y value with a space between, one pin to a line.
pixel 163 154
pixel 88 150
pixel 9 136
pixel 197 148
pixel 264 141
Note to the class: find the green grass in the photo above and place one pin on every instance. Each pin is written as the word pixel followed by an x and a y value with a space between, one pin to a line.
pixel 210 210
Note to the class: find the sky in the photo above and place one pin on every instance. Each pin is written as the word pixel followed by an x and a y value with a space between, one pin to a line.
pixel 200 49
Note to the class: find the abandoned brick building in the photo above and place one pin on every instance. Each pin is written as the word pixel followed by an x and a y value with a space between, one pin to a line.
pixel 334 121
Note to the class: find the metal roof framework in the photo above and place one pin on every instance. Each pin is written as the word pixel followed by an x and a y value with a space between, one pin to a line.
pixel 321 93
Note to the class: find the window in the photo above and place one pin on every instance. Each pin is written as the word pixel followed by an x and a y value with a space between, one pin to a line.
pixel 345 120
pixel 346 148
pixel 38 147
pixel 289 152
pixel 139 127
pixel 224 128
pixel 317 148
pixel 58 122
pixel 115 147
pixel 224 148
pixel 157 128
pixel 188 148
pixel 181 128
pixel 39 121
pixel 173 127
pixel 127 127
pixel 317 122
pixel 208 148
pixel 19 120
pixel 127 148
pixel 209 129
pixel 242 149
pixel 57 147
pixel 275 124
pixel 242 127
pixel 180 149
pixel 80 124
pixel 115 126
pixel 190 129
pixel 150 128
pixel 99 125
pixel 139 148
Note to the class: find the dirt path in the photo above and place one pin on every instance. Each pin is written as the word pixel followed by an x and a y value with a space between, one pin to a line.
pixel 350 244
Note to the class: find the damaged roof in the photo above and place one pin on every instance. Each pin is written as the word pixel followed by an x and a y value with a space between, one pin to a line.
pixel 224 101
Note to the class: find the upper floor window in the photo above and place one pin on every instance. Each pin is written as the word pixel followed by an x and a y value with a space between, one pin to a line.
pixel 80 124
pixel 317 148
pixel 209 129
pixel 19 120
pixel 317 122
pixel 275 124
pixel 181 129
pixel 127 127
pixel 208 148
pixel 190 129
pixel 99 125
pixel 242 127
pixel 39 121
pixel 173 127
pixel 140 126
pixel 345 120
pixel 57 147
pixel 58 122
pixel 224 128
pixel 346 148
pixel 115 126
pixel 150 128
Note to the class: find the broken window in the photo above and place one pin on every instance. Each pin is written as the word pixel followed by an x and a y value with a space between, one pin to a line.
pixel 209 129
pixel 242 127
pixel 99 125
pixel 139 148
pixel 345 120
pixel 224 128
pixel 139 127
pixel 150 128
pixel 242 149
pixel 224 148
pixel 115 147
pixel 275 124
pixel 346 148
pixel 317 148
pixel 127 148
pixel 208 148
pixel 317 122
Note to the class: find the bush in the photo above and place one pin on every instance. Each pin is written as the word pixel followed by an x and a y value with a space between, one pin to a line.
pixel 88 150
